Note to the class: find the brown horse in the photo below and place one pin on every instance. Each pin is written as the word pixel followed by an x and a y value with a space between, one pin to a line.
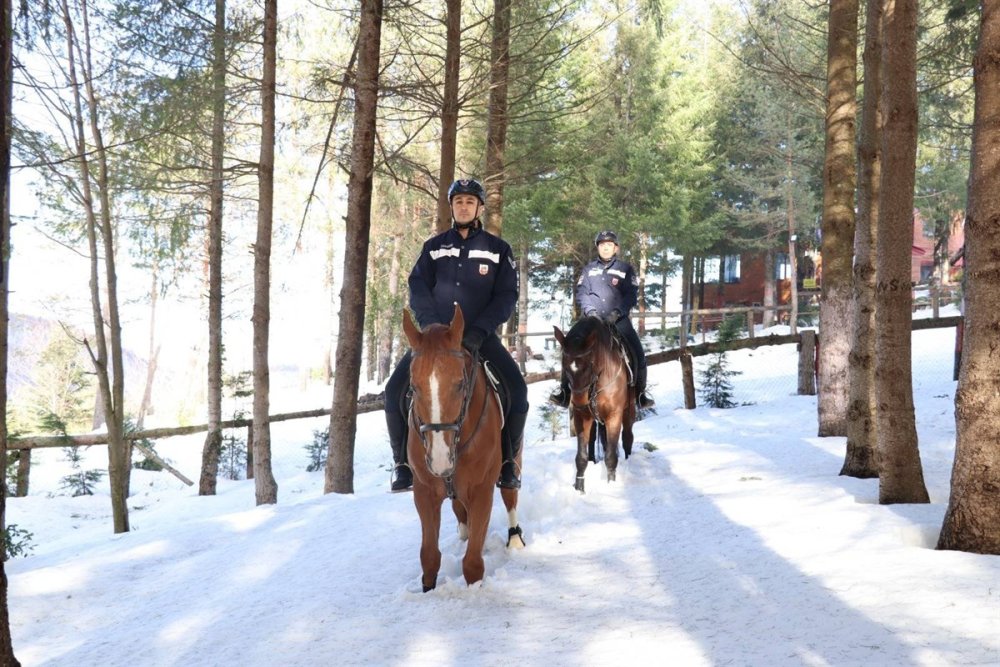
pixel 602 401
pixel 454 445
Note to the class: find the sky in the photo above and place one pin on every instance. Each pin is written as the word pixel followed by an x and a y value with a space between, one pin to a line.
pixel 727 539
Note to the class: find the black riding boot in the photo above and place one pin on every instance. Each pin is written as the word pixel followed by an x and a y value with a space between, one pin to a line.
pixel 560 396
pixel 510 444
pixel 642 398
pixel 402 476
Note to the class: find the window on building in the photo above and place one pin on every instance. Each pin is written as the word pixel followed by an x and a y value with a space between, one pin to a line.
pixel 731 269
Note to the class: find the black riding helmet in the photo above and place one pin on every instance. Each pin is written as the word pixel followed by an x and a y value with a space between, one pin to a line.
pixel 467 186
pixel 606 235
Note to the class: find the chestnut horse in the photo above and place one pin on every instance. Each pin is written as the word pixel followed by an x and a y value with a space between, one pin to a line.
pixel 454 445
pixel 602 402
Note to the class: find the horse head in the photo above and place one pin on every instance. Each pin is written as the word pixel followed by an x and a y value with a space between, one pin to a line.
pixel 580 360
pixel 441 377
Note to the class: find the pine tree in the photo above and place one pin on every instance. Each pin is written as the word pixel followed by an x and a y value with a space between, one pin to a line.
pixel 716 388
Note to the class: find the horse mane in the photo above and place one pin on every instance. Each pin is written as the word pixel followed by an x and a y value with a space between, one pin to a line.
pixel 578 340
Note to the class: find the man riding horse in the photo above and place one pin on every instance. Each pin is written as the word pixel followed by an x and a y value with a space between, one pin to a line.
pixel 475 269
pixel 608 289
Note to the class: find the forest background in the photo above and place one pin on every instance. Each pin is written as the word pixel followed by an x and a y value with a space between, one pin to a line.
pixel 693 129
pixel 200 170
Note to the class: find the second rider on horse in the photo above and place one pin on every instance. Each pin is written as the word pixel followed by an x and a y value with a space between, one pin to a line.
pixel 608 289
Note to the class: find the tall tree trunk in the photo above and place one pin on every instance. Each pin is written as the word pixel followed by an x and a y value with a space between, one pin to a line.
pixel 901 478
pixel 496 131
pixel 264 482
pixel 106 352
pixel 793 257
pixel 329 281
pixel 769 282
pixel 687 280
pixel 449 110
pixel 339 473
pixel 212 448
pixel 522 307
pixel 7 658
pixel 839 175
pixel 972 521
pixel 860 459
pixel 388 342
pixel 153 353
pixel 642 273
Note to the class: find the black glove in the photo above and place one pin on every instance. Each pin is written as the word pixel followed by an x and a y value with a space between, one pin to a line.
pixel 613 317
pixel 590 313
pixel 473 339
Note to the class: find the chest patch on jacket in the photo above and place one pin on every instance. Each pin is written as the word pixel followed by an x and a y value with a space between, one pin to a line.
pixel 484 269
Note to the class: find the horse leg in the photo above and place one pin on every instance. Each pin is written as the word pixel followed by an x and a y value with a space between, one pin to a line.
pixel 515 537
pixel 627 422
pixel 613 429
pixel 584 425
pixel 429 509
pixel 463 519
pixel 479 502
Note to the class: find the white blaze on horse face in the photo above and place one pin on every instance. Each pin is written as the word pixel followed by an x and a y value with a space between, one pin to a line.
pixel 438 458
pixel 573 367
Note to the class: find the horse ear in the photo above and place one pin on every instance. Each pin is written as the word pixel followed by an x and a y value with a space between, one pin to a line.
pixel 560 336
pixel 410 329
pixel 457 326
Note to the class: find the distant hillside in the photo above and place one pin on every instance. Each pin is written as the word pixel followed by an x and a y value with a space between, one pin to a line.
pixel 28 338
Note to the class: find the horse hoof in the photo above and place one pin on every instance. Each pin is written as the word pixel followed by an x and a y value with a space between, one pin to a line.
pixel 429 588
pixel 579 485
pixel 611 475
pixel 515 538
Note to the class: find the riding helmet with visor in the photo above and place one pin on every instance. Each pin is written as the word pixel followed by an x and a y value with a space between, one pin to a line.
pixel 467 186
pixel 606 235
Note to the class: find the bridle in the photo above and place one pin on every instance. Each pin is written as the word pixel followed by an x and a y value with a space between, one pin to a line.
pixel 457 445
pixel 592 388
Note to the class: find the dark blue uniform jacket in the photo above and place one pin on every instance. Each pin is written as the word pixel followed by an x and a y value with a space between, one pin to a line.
pixel 607 286
pixel 478 273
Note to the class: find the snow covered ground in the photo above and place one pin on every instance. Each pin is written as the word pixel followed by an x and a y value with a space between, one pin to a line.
pixel 728 539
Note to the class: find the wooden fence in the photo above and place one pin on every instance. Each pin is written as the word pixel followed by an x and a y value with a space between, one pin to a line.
pixel 372 402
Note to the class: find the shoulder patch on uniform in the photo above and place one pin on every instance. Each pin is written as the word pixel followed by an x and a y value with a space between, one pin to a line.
pixel 616 272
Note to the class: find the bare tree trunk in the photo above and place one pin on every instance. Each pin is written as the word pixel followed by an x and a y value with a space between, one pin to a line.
pixel 339 472
pixel 264 482
pixel 901 478
pixel 328 284
pixel 496 131
pixel 522 307
pixel 860 459
pixel 212 448
pixel 839 177
pixel 107 362
pixel 793 258
pixel 449 109
pixel 7 658
pixel 389 337
pixel 687 278
pixel 643 269
pixel 972 521
pixel 154 350
pixel 767 319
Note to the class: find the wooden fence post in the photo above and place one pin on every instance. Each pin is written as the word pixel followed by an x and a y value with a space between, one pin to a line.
pixel 807 363
pixel 687 377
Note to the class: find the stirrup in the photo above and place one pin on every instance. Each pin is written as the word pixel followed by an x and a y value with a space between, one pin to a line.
pixel 402 478
pixel 509 480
